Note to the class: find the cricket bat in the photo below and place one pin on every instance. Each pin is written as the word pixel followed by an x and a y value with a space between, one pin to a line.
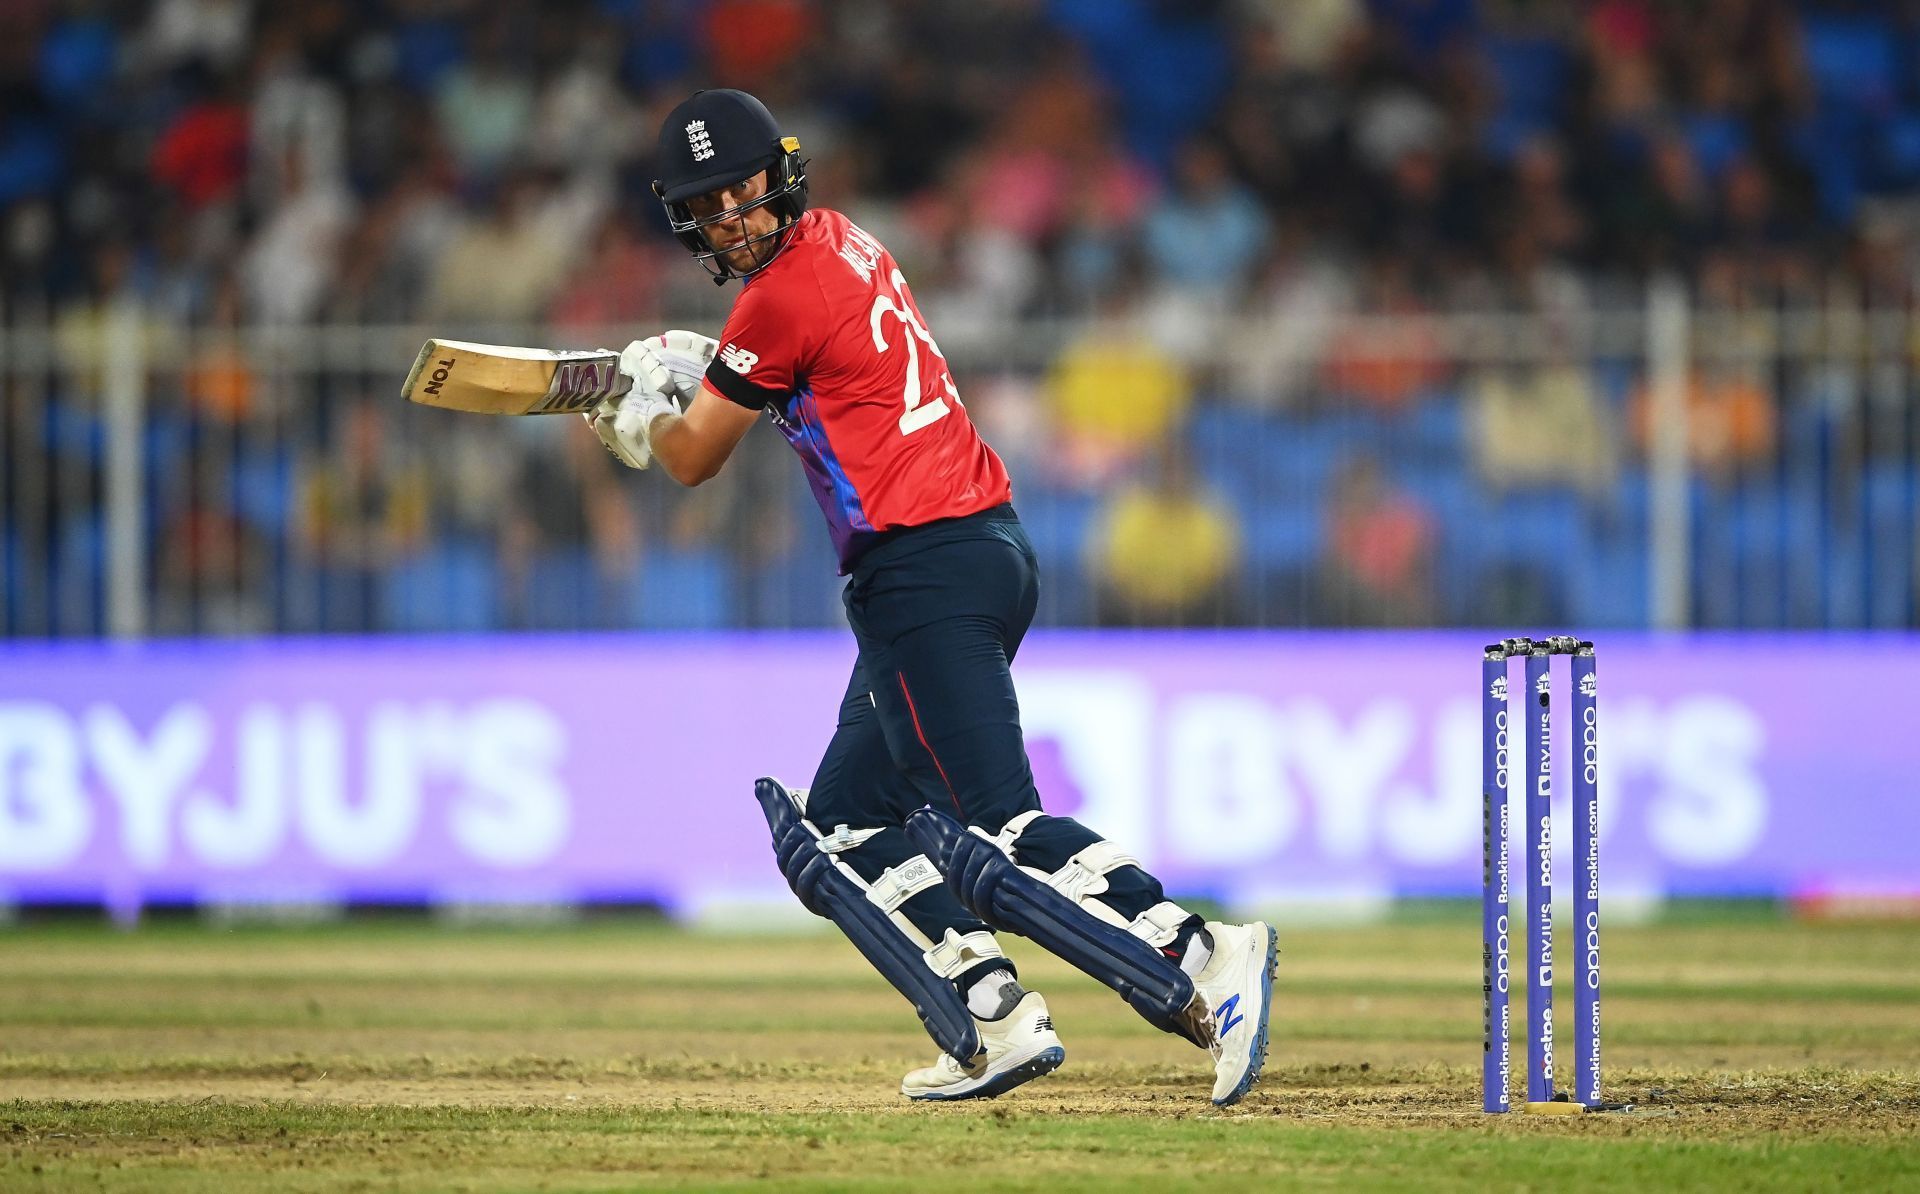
pixel 504 379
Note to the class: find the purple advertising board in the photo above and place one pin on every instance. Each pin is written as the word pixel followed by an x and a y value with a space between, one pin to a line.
pixel 1252 768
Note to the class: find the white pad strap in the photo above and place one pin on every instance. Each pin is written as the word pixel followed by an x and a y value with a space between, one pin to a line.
pixel 1160 924
pixel 896 885
pixel 843 839
pixel 959 952
pixel 1085 874
pixel 1011 831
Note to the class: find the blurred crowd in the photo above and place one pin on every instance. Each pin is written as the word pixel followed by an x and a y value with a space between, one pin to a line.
pixel 1102 185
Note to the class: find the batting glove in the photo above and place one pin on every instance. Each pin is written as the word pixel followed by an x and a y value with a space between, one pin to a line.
pixel 686 356
pixel 626 426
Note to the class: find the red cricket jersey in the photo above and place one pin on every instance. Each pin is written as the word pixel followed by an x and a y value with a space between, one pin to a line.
pixel 828 341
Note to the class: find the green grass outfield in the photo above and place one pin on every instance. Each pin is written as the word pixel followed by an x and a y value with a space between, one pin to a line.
pixel 617 1055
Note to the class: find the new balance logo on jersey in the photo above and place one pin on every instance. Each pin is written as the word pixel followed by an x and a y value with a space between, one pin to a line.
pixel 699 141
pixel 1229 1015
pixel 739 359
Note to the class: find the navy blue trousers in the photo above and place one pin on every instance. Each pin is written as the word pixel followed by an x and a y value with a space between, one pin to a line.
pixel 930 715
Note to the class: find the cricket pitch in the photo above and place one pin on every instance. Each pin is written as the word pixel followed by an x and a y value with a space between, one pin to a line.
pixel 622 1055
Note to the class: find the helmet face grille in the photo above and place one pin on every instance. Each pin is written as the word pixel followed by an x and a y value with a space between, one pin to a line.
pixel 788 199
pixel 714 139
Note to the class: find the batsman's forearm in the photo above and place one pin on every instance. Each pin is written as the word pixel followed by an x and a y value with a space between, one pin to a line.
pixel 688 458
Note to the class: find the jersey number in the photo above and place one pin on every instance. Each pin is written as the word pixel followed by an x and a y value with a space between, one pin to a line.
pixel 919 412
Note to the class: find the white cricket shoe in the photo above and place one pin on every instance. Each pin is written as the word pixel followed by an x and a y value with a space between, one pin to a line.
pixel 1020 1046
pixel 1237 984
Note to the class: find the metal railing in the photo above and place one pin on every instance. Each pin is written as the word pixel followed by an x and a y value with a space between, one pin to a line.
pixel 1656 465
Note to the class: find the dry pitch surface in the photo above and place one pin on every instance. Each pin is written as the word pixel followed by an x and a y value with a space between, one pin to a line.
pixel 619 1056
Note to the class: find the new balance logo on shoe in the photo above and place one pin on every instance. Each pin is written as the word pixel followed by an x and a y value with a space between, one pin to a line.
pixel 1229 1015
pixel 1043 1024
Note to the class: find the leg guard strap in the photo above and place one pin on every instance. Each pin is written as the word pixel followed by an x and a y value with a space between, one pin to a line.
pixel 1007 897
pixel 1160 925
pixel 896 885
pixel 827 887
pixel 959 952
pixel 1085 874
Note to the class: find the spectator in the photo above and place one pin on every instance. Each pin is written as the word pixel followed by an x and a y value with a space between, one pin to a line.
pixel 486 103
pixel 1113 395
pixel 1020 179
pixel 509 265
pixel 1541 205
pixel 749 41
pixel 1208 234
pixel 290 267
pixel 1542 426
pixel 1378 568
pixel 362 510
pixel 1164 552
pixel 622 289
pixel 1310 34
pixel 583 119
pixel 202 155
pixel 183 277
pixel 1109 193
pixel 1763 239
pixel 391 257
pixel 210 31
pixel 295 114
pixel 1662 222
pixel 1302 300
pixel 1389 352
pixel 989 268
pixel 211 565
pixel 221 385
pixel 1281 123
pixel 753 522
pixel 572 524
pixel 1422 216
pixel 914 114
pixel 90 324
pixel 1393 122
pixel 1731 423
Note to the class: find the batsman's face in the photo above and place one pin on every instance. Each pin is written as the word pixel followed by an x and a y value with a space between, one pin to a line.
pixel 736 227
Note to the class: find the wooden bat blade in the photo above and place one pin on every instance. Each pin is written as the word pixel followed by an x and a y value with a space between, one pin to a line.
pixel 505 379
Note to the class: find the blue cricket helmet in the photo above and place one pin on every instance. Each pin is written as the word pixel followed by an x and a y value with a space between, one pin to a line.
pixel 712 140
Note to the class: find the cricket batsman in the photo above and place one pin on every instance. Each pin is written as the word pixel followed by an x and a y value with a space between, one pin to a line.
pixel 922 833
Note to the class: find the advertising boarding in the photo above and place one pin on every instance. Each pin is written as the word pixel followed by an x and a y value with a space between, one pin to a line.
pixel 1257 769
